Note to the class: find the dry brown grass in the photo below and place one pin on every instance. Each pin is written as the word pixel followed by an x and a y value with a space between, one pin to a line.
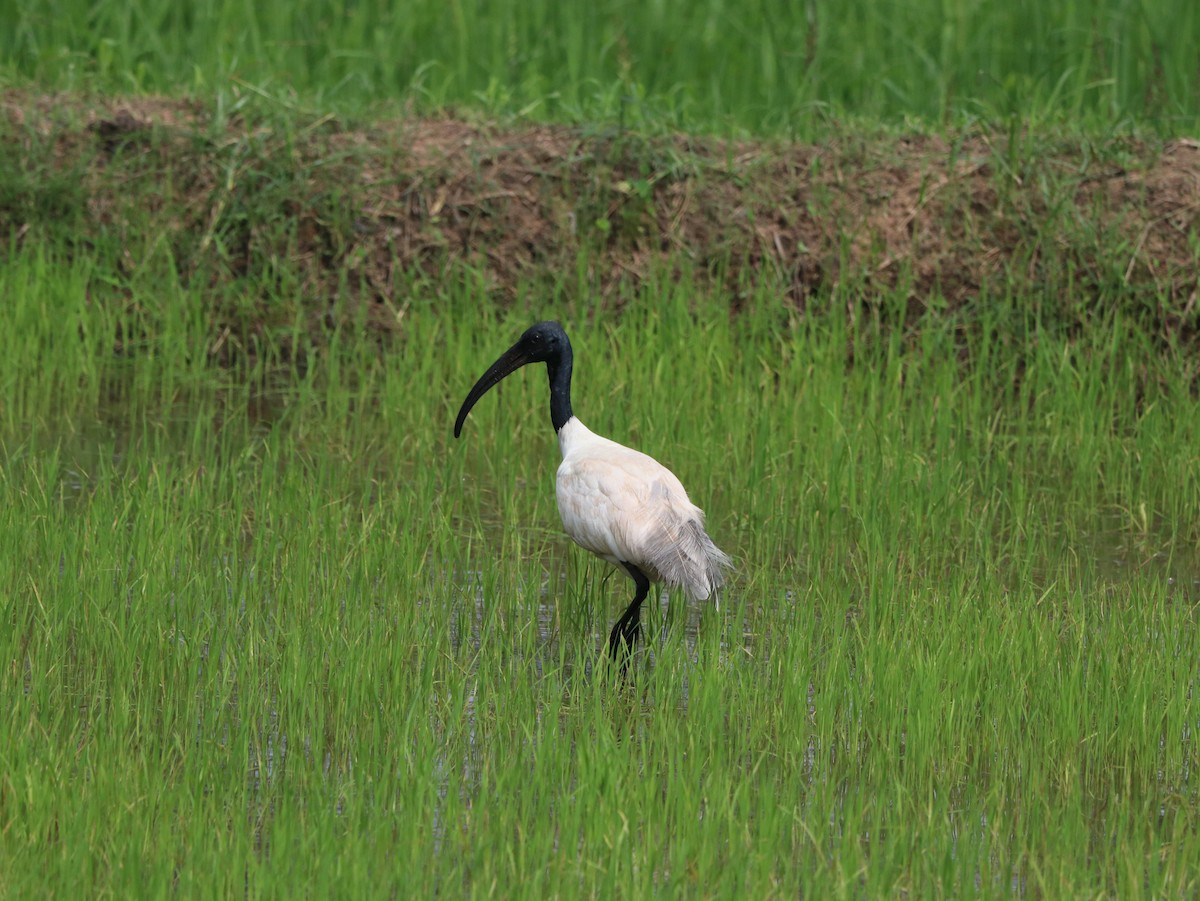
pixel 368 209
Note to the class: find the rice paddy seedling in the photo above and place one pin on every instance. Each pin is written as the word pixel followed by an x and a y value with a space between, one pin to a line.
pixel 760 66
pixel 272 630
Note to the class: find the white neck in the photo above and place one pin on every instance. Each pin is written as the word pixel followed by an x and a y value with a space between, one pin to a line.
pixel 572 433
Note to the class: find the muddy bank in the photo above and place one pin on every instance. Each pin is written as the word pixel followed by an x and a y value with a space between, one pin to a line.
pixel 323 206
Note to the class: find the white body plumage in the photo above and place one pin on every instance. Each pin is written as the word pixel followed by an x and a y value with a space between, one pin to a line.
pixel 626 507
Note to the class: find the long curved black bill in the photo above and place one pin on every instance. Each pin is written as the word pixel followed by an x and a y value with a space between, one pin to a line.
pixel 510 361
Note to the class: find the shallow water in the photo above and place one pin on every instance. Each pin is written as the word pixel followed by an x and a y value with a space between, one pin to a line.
pixel 570 602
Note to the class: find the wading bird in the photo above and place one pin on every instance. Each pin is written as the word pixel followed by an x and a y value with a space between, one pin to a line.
pixel 622 505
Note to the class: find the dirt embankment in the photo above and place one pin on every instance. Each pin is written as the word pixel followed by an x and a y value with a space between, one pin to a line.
pixel 366 210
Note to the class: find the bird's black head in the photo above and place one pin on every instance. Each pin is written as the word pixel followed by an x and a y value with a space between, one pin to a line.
pixel 545 342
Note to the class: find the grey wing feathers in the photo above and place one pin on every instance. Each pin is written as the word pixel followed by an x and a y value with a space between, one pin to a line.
pixel 681 551
pixel 626 507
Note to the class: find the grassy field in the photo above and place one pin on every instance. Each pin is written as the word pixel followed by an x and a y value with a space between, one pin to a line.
pixel 792 68
pixel 281 634
pixel 267 629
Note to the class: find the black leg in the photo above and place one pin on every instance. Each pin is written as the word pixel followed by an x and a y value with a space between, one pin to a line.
pixel 625 632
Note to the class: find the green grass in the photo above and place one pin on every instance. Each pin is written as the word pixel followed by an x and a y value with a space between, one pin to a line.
pixel 763 66
pixel 266 629
pixel 277 633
